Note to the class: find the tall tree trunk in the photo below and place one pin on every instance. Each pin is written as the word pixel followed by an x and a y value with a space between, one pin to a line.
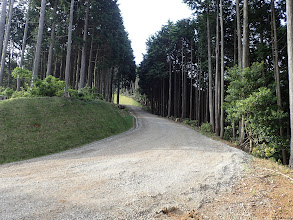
pixel 276 55
pixel 239 34
pixel 175 95
pixel 96 72
pixel 2 23
pixel 77 69
pixel 211 104
pixel 83 56
pixel 111 84
pixel 289 7
pixel 10 57
pixel 245 35
pixel 217 76
pixel 235 47
pixel 170 88
pixel 183 86
pixel 277 71
pixel 39 41
pixel 69 42
pixel 118 91
pixel 245 57
pixel 23 44
pixel 199 94
pixel 222 68
pixel 6 42
pixel 191 82
pixel 55 66
pixel 50 55
pixel 89 72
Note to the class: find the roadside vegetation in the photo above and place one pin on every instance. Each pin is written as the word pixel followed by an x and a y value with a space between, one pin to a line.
pixel 38 120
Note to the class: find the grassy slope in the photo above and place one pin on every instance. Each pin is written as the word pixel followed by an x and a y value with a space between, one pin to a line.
pixel 124 100
pixel 32 127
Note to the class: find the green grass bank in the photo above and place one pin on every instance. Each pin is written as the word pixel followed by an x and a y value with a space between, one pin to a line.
pixel 33 127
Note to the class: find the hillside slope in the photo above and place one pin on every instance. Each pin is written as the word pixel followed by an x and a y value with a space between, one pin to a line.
pixel 32 127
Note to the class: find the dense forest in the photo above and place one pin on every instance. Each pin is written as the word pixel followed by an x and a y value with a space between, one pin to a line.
pixel 225 70
pixel 83 43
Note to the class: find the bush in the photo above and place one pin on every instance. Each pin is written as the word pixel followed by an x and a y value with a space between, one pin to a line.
pixel 24 74
pixel 6 92
pixel 191 123
pixel 85 94
pixel 21 93
pixel 50 86
pixel 206 127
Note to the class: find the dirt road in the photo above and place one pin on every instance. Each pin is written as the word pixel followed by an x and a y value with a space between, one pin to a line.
pixel 160 164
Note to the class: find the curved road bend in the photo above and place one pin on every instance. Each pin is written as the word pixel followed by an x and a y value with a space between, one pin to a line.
pixel 160 164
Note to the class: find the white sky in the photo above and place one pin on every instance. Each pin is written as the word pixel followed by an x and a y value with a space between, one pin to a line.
pixel 143 18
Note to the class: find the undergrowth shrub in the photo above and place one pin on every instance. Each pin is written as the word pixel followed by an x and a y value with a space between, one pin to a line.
pixel 206 127
pixel 191 123
pixel 50 86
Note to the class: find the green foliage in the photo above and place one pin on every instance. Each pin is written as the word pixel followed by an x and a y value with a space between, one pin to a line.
pixel 247 98
pixel 192 123
pixel 21 73
pixel 8 92
pixel 242 84
pixel 24 74
pixel 50 86
pixel 206 127
pixel 85 94
pixel 21 93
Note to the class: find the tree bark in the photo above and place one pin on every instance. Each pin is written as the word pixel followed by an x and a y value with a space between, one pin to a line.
pixel 245 36
pixel 95 70
pixel 111 84
pixel 239 34
pixel 2 24
pixel 39 41
pixel 217 76
pixel 222 69
pixel 118 91
pixel 211 104
pixel 277 71
pixel 191 82
pixel 10 57
pixel 6 42
pixel 83 56
pixel 183 86
pixel 245 57
pixel 276 55
pixel 23 44
pixel 170 87
pixel 289 7
pixel 50 56
pixel 199 93
pixel 77 69
pixel 89 72
pixel 69 42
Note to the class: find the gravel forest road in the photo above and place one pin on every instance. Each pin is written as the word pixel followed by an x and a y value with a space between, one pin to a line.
pixel 159 164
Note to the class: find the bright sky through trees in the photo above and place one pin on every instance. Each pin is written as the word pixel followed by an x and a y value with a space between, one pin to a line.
pixel 143 18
